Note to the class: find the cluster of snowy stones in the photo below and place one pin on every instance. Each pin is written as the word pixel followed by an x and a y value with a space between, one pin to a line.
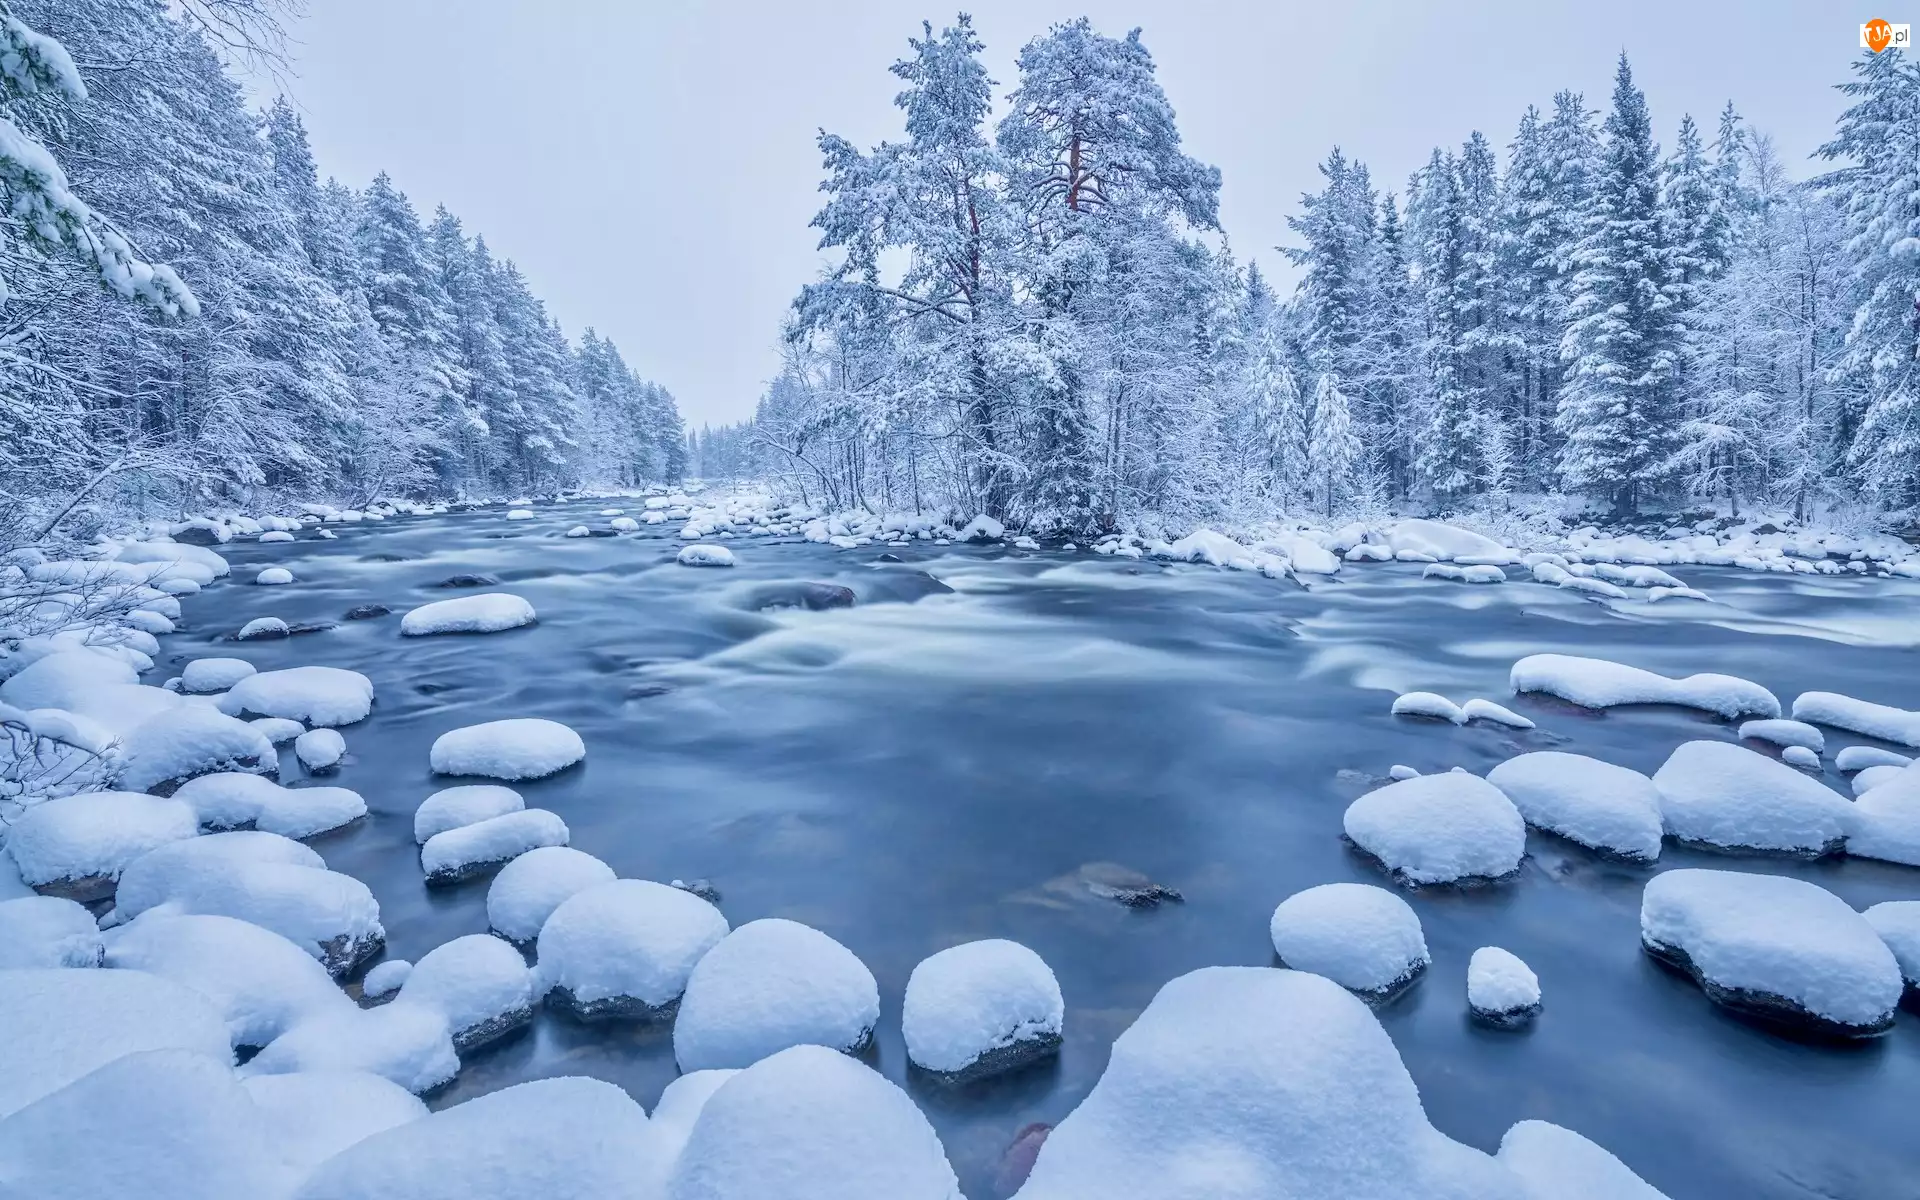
pixel 1782 950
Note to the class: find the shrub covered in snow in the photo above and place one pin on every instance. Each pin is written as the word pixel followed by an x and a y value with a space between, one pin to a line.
pixel 1598 683
pixel 489 612
pixel 514 749
pixel 528 889
pixel 1501 990
pixel 625 948
pixel 1726 797
pixel 1447 828
pixel 980 1008
pixel 771 984
pixel 1603 807
pixel 475 849
pixel 1364 938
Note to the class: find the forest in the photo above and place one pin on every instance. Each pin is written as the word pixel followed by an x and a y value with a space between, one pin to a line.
pixel 194 320
pixel 1039 317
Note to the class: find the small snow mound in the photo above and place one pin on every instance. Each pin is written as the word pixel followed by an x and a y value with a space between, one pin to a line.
pixel 1801 757
pixel 1428 704
pixel 1364 938
pixel 386 978
pixel 1603 807
pixel 1478 709
pixel 320 750
pixel 1441 541
pixel 407 1044
pixel 771 984
pixel 1881 721
pixel 263 628
pixel 47 931
pixel 1873 777
pixel 475 849
pixel 1782 732
pixel 190 740
pixel 1898 924
pixel 1480 573
pixel 450 808
pixel 1559 1164
pixel 579 531
pixel 701 554
pixel 478 983
pixel 520 514
pixel 980 1008
pixel 624 525
pixel 1859 758
pixel 314 695
pixel 982 529
pixel 1598 683
pixel 1501 990
pixel 1887 820
pixel 488 612
pixel 625 949
pixel 514 749
pixel 77 846
pixel 1446 828
pixel 1726 797
pixel 315 1115
pixel 206 675
pixel 273 576
pixel 528 890
pixel 275 535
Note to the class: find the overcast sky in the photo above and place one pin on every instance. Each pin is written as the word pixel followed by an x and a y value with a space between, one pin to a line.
pixel 650 164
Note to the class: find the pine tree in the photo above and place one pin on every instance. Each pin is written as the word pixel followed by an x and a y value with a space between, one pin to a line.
pixel 1448 451
pixel 1332 448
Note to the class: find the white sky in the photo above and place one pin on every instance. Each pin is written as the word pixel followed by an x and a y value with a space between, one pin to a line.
pixel 650 163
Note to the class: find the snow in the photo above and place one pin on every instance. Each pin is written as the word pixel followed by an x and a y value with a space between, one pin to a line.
pixel 474 849
pixel 1558 1164
pixel 1501 989
pixel 385 978
pixel 1598 683
pixel 1599 805
pixel 81 843
pixel 1439 829
pixel 1442 541
pixel 190 740
pixel 1775 947
pixel 262 983
pixel 320 749
pixel 1478 709
pixel 1898 924
pixel 1302 553
pixel 478 983
pixel 278 730
pixel 568 1138
pixel 263 627
pixel 980 1007
pixel 702 555
pixel 155 877
pixel 47 931
pixel 176 557
pixel 204 675
pixel 1248 1083
pixel 1859 716
pixel 528 889
pixel 1428 704
pixel 273 576
pixel 513 749
pixel 1480 573
pixel 1727 797
pixel 235 801
pixel 1402 771
pixel 1887 821
pixel 626 949
pixel 314 1115
pixel 1801 757
pixel 771 984
pixel 624 525
pixel 158 1125
pixel 63 1024
pixel 1859 758
pixel 809 1124
pixel 520 514
pixel 1873 777
pixel 981 529
pixel 1364 938
pixel 1675 593
pixel 64 679
pixel 1783 732
pixel 314 695
pixel 275 535
pixel 488 612
pixel 406 1044
pixel 450 808
pixel 672 1124
pixel 579 531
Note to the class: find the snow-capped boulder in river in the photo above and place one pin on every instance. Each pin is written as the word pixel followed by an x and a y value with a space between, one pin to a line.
pixel 528 889
pixel 1441 542
pixel 488 612
pixel 1898 924
pixel 1364 938
pixel 274 576
pixel 1502 991
pixel 320 750
pixel 315 1115
pixel 624 525
pixel 47 931
pixel 262 629
pixel 450 808
pixel 1599 683
pixel 1778 949
pixel 1281 1082
pixel 475 849
pixel 1886 820
pixel 771 984
pixel 191 739
pixel 407 1044
pixel 1559 1164
pixel 1609 809
pixel 514 749
pixel 207 675
pixel 478 983
pixel 981 1008
pixel 701 554
pixel 240 801
pixel 78 846
pixel 1882 721
pixel 1726 797
pixel 1447 828
pixel 385 978
pixel 624 949
pixel 809 1124
pixel 1785 733
pixel 1859 758
pixel 570 1137
pixel 314 695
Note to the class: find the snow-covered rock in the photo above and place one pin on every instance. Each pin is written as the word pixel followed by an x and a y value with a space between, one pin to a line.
pixel 981 1008
pixel 514 749
pixel 320 750
pixel 478 983
pixel 1780 731
pixel 1599 683
pixel 1656 594
pixel 982 529
pixel 1603 807
pixel 568 1138
pixel 314 1115
pixel 1501 990
pixel 1872 777
pixel 520 514
pixel 624 525
pixel 1364 938
pixel 263 629
pixel 808 1124
pixel 1427 704
pixel 62 1024
pixel 625 949
pixel 1801 757
pixel 1441 541
pixel 528 890
pixel 262 983
pixel 475 849
pixel 1558 1164
pixel 273 577
pixel 1479 573
pixel 207 675
pixel 1898 924
pixel 1881 721
pixel 385 978
pixel 196 562
pixel 702 555
pixel 406 1044
pixel 450 808
pixel 188 740
pixel 275 535
pixel 1445 828
pixel 1247 1083
pixel 1726 797
pixel 1479 709
pixel 771 984
pixel 488 612
pixel 47 931
pixel 1775 948
pixel 313 695
pixel 78 846
pixel 1886 820
pixel 1859 758
pixel 240 801
pixel 579 531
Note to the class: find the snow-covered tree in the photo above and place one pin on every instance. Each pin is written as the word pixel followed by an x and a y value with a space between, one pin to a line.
pixel 1332 448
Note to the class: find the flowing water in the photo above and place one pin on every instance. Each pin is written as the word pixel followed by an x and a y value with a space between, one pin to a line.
pixel 933 766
